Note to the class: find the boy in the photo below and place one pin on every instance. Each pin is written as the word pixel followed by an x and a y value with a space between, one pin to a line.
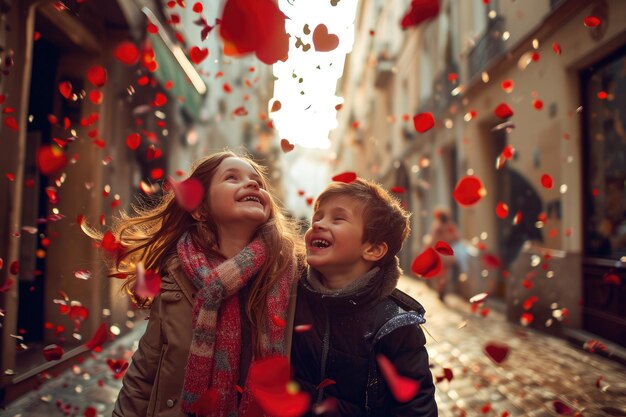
pixel 348 297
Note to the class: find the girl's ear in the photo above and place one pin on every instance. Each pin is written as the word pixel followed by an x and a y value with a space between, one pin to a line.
pixel 375 252
pixel 198 215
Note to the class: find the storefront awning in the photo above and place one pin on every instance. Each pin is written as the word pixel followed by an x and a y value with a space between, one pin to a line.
pixel 173 65
pixel 419 11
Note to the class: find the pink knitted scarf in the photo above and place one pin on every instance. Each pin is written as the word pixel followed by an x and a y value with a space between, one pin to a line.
pixel 212 369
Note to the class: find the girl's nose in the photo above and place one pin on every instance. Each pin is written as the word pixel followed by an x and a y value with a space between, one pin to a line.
pixel 253 183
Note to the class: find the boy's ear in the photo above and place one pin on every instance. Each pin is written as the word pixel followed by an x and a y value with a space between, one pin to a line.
pixel 375 252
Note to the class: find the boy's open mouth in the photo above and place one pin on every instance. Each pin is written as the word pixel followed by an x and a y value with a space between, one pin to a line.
pixel 251 198
pixel 320 243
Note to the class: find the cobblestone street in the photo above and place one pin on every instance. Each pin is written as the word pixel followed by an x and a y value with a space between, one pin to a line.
pixel 542 376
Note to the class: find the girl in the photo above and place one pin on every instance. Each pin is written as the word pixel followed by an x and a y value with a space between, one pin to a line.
pixel 227 270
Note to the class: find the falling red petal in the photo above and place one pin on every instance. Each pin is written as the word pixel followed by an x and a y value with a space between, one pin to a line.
pixel 427 264
pixel 503 111
pixel 468 191
pixel 133 141
pixel 97 76
pixel 444 248
pixel 126 52
pixel 502 210
pixel 591 21
pixel 100 336
pixel 546 181
pixel 346 177
pixel 189 193
pixel 402 388
pixel 53 352
pixel 50 159
pixel 423 122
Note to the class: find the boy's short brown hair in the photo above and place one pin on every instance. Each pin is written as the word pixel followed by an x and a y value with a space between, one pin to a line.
pixel 384 220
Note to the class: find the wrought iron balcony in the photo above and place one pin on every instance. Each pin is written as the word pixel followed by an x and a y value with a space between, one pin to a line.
pixel 487 47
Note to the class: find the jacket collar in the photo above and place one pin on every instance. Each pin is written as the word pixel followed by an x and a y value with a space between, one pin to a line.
pixel 174 269
pixel 374 285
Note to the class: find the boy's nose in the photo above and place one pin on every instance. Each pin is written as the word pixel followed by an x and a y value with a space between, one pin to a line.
pixel 318 225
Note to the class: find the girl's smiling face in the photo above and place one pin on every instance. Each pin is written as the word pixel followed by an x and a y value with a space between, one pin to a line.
pixel 237 195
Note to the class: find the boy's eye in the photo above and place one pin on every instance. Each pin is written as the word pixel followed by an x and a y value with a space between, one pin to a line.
pixel 339 218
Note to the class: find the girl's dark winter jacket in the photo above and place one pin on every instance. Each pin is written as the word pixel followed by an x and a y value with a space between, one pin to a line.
pixel 348 330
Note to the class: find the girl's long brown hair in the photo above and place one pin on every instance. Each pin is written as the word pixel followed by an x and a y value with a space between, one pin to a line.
pixel 151 235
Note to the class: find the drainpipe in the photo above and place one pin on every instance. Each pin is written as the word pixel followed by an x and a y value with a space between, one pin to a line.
pixel 9 325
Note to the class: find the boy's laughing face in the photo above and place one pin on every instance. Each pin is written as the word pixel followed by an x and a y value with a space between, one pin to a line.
pixel 334 243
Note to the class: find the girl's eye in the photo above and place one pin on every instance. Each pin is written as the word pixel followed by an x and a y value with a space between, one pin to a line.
pixel 231 177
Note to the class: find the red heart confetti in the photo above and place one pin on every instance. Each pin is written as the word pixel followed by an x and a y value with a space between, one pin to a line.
pixel 309 201
pixel 286 146
pixel 197 55
pixel 118 367
pixel 189 193
pixel 78 312
pixel 53 352
pixel 546 181
pixel 402 388
pixel 427 264
pixel 240 111
pixel 90 412
pixel 556 48
pixel 444 248
pixel 65 88
pixel 301 328
pixel 324 41
pixel 126 52
pixel 503 111
pixel 497 352
pixel 133 141
pixel 611 279
pixel 97 76
pixel 152 28
pixel 591 21
pixel 398 190
pixel 50 159
pixel 538 104
pixel 468 191
pixel 423 122
pixel 346 177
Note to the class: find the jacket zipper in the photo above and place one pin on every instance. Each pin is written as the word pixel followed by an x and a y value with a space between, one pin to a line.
pixel 325 347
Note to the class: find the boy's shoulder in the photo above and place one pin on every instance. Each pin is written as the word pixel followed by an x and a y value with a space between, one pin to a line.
pixel 406 302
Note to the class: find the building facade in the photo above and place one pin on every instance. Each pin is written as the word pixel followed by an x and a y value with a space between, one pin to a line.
pixel 112 139
pixel 553 254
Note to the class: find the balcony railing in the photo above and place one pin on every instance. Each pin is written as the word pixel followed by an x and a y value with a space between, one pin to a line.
pixel 488 47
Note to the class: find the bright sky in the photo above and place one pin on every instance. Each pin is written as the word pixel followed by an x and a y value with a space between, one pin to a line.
pixel 306 92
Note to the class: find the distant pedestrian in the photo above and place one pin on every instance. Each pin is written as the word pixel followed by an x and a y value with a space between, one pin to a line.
pixel 359 323
pixel 227 271
pixel 444 229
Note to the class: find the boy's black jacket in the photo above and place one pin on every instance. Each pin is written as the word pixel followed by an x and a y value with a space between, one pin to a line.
pixel 340 347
